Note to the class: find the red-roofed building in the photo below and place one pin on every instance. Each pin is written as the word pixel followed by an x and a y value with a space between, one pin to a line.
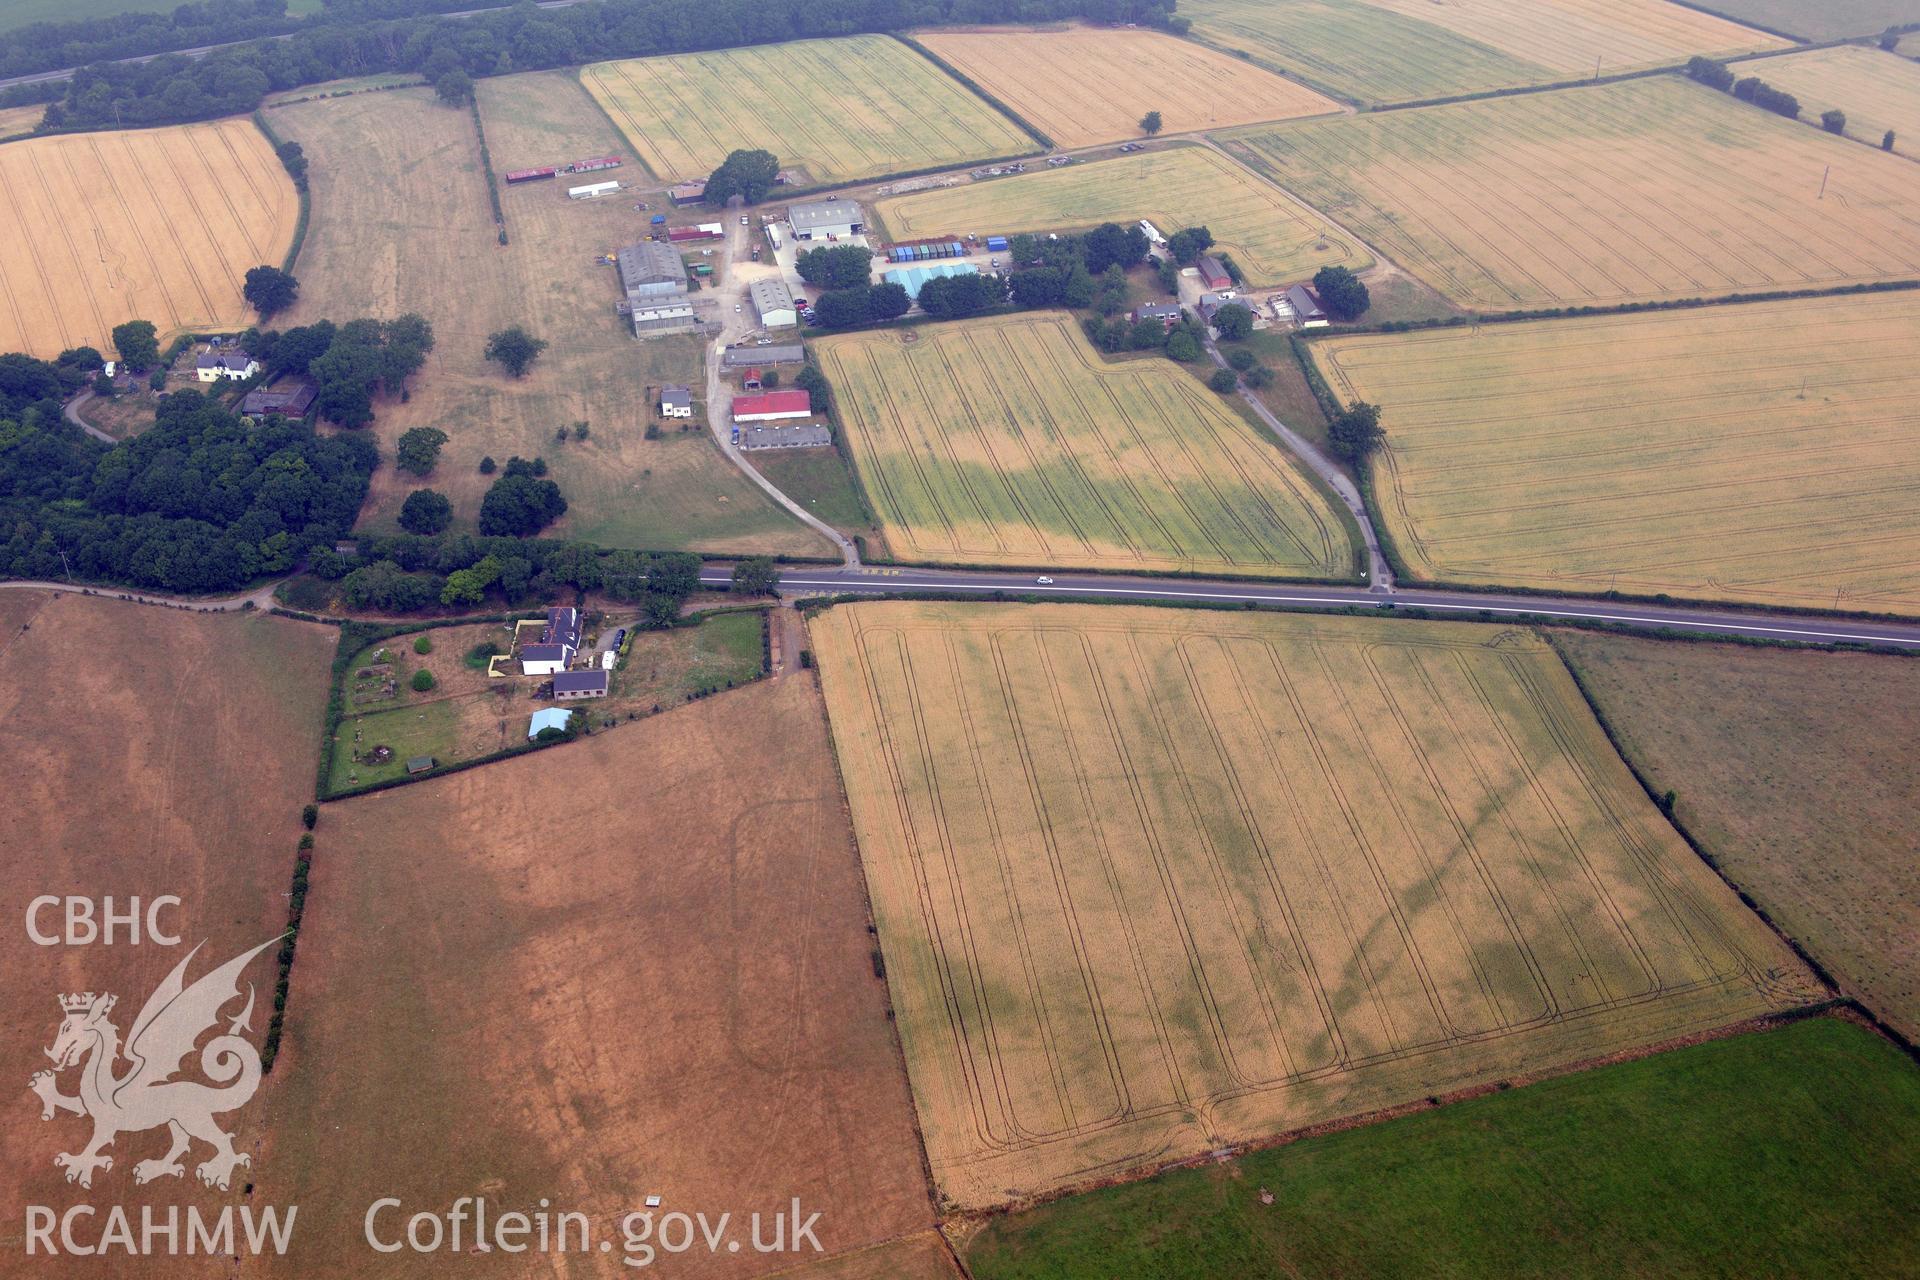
pixel 752 381
pixel 772 406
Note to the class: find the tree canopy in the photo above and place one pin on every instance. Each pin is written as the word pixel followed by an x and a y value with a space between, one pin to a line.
pixel 1342 293
pixel 515 350
pixel 426 512
pixel 518 505
pixel 1355 433
pixel 269 290
pixel 201 501
pixel 839 266
pixel 138 344
pixel 747 174
pixel 419 448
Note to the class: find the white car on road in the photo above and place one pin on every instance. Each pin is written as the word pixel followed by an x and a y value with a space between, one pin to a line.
pixel 1043 582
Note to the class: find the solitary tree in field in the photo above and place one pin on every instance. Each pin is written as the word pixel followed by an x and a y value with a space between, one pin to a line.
pixel 1223 381
pixel 1834 121
pixel 269 290
pixel 1150 123
pixel 419 448
pixel 138 343
pixel 515 350
pixel 454 88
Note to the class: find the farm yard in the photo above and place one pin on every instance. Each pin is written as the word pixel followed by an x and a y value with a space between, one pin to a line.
pixel 837 110
pixel 158 225
pixel 1572 37
pixel 638 965
pixel 1274 238
pixel 1762 453
pixel 1878 91
pixel 1794 769
pixel 1358 50
pixel 423 239
pixel 149 752
pixel 1788 1151
pixel 1151 882
pixel 1007 441
pixel 1646 189
pixel 1083 86
pixel 469 713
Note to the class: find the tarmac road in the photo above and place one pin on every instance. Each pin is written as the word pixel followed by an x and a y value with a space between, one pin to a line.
pixel 1810 629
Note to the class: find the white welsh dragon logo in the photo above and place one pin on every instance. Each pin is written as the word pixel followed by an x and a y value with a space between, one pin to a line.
pixel 146 1096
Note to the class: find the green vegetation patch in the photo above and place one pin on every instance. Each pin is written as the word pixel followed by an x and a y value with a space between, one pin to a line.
pixel 1790 1153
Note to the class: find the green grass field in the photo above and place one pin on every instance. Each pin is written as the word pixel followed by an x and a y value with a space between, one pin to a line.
pixel 819 479
pixel 1793 769
pixel 1645 189
pixel 1763 453
pixel 1787 1153
pixel 1274 238
pixel 1358 50
pixel 839 110
pixel 1007 441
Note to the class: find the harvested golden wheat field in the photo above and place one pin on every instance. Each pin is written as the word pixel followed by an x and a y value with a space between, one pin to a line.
pixel 1647 189
pixel 1273 237
pixel 837 110
pixel 1008 441
pixel 1084 85
pixel 1154 882
pixel 157 224
pixel 1878 91
pixel 1570 36
pixel 1766 452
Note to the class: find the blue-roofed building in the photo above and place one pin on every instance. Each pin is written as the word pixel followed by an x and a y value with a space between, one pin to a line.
pixel 911 278
pixel 547 718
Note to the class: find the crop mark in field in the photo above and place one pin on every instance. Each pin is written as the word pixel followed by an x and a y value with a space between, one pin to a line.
pixel 1181 883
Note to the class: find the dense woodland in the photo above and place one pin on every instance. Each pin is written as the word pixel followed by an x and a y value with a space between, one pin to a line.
pixel 345 42
pixel 201 501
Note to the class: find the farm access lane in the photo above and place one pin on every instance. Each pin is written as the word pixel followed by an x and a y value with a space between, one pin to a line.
pixel 1809 629
pixel 735 324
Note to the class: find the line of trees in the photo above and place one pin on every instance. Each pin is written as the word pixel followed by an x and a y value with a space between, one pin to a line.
pixel 174 88
pixel 408 574
pixel 1717 75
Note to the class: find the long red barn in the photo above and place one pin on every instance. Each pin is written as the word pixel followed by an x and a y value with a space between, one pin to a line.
pixel 772 405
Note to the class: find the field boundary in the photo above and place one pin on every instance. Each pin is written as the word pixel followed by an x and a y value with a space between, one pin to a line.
pixel 1711 12
pixel 1660 802
pixel 968 83
pixel 573 74
pixel 301 188
pixel 486 167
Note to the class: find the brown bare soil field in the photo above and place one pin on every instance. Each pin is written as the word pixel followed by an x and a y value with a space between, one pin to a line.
pixel 1795 769
pixel 1570 35
pixel 921 1256
pixel 1154 882
pixel 1083 86
pixel 149 752
pixel 422 239
pixel 150 224
pixel 637 966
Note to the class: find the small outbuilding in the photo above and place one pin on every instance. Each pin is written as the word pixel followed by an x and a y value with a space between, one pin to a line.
pixel 1213 274
pixel 773 303
pixel 757 357
pixel 420 764
pixel 289 397
pixel 547 718
pixel 569 685
pixel 1306 308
